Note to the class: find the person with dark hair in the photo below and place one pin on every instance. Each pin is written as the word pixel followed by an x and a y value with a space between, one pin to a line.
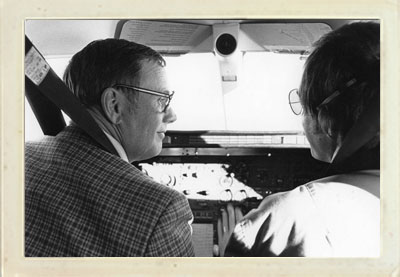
pixel 339 215
pixel 81 200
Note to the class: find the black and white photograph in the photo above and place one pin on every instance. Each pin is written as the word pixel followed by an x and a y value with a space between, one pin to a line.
pixel 183 138
pixel 202 138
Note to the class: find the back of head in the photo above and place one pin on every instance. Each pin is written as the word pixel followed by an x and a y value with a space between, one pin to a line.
pixel 104 63
pixel 345 60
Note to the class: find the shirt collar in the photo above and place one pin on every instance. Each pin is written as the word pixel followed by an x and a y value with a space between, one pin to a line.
pixel 118 147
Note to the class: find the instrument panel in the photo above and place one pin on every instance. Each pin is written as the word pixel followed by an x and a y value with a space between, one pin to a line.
pixel 202 181
pixel 210 176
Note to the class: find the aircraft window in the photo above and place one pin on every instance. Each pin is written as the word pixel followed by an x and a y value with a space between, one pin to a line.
pixel 32 128
pixel 263 102
pixel 198 101
pixel 259 103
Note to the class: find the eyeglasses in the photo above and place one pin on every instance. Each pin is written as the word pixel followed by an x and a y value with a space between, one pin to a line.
pixel 294 98
pixel 164 101
pixel 294 101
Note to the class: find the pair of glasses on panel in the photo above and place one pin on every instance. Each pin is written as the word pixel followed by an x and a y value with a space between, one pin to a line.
pixel 294 98
pixel 164 101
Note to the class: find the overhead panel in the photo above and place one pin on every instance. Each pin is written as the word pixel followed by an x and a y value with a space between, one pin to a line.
pixel 167 37
pixel 287 37
pixel 181 38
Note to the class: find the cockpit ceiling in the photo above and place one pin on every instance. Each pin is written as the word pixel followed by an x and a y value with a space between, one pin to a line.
pixel 180 38
pixel 55 37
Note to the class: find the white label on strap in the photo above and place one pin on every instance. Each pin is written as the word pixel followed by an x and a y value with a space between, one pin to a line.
pixel 36 67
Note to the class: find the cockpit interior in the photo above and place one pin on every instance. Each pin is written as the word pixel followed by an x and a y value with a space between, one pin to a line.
pixel 236 138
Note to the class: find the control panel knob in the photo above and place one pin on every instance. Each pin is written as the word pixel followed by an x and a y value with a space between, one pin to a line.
pixel 168 180
pixel 226 195
pixel 240 195
pixel 226 181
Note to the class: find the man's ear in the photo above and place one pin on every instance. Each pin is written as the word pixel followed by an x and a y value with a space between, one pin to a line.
pixel 111 103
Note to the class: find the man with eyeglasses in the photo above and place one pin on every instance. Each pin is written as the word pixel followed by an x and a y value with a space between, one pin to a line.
pixel 84 201
pixel 338 215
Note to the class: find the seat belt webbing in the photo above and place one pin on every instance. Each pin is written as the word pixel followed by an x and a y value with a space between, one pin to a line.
pixel 39 73
pixel 48 115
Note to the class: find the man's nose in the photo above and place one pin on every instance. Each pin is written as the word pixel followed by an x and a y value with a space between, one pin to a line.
pixel 170 115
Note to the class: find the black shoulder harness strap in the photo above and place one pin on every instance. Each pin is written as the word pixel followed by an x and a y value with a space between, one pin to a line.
pixel 47 94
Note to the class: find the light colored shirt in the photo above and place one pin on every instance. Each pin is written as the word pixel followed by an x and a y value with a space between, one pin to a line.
pixel 118 147
pixel 337 216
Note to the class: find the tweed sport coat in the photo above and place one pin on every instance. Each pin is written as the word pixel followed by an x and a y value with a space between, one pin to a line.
pixel 82 201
